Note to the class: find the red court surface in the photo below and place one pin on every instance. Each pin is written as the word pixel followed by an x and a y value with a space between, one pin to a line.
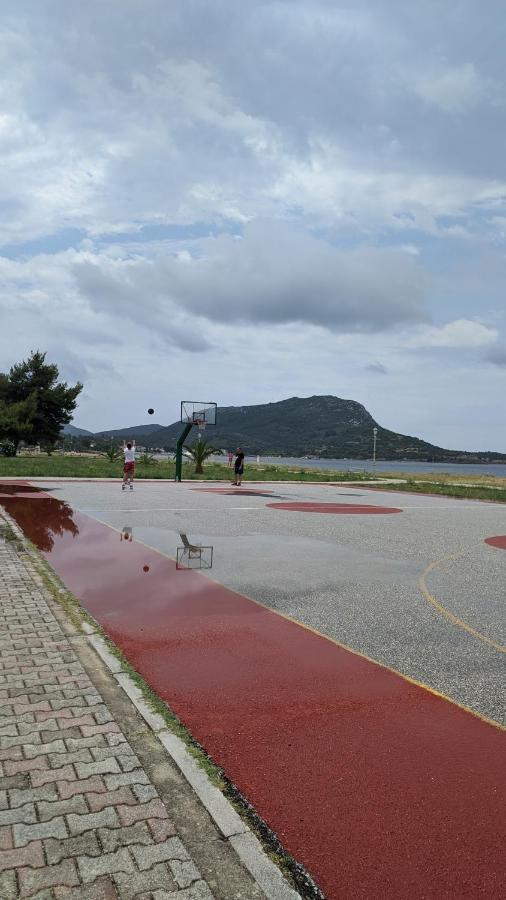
pixel 379 787
pixel 499 541
pixel 345 509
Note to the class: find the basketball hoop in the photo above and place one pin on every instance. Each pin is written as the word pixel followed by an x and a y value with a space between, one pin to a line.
pixel 194 413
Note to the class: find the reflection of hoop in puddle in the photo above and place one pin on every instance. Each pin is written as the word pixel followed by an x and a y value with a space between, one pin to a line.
pixel 193 556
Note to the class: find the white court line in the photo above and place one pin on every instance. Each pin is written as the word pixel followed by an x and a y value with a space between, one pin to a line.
pixel 132 509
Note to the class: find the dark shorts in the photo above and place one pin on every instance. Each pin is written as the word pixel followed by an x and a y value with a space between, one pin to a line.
pixel 129 468
pixel 239 471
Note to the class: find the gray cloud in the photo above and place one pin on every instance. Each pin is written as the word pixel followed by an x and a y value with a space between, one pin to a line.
pixel 497 356
pixel 378 368
pixel 138 292
pixel 276 273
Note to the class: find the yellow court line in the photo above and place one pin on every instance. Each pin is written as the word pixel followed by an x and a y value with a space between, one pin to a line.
pixel 326 637
pixel 455 620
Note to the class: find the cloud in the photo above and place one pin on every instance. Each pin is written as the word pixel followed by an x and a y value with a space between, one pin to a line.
pixel 276 273
pixel 285 190
pixel 39 296
pixel 359 195
pixel 377 368
pixel 115 119
pixel 497 356
pixel 454 89
pixel 457 334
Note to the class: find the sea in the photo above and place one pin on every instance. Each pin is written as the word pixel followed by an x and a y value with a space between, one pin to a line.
pixel 364 465
pixel 367 465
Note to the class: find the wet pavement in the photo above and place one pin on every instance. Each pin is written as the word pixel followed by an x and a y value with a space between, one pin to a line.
pixel 355 578
pixel 380 787
pixel 81 815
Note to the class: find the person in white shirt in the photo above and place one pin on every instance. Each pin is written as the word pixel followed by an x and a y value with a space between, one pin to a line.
pixel 129 465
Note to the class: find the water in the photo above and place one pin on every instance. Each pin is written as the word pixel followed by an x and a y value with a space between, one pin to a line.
pixel 386 465
pixel 361 465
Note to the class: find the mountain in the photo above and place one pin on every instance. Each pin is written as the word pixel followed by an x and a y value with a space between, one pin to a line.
pixel 135 431
pixel 323 426
pixel 75 431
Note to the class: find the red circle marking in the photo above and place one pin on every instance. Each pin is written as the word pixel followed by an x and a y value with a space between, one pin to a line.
pixel 353 509
pixel 498 541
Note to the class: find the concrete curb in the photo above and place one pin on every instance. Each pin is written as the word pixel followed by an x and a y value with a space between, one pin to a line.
pixel 247 847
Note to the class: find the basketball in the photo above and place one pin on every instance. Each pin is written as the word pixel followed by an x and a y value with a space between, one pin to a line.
pixel 150 411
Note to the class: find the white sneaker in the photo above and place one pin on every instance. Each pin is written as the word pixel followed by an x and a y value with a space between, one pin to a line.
pixel 123 486
pixel 131 487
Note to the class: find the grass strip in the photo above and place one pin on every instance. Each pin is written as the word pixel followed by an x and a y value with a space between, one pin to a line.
pixel 446 489
pixel 99 467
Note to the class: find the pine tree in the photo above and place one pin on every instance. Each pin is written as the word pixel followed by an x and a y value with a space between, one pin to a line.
pixel 33 403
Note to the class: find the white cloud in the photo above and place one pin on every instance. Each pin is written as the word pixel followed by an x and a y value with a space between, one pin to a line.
pixel 329 183
pixel 459 333
pixel 453 89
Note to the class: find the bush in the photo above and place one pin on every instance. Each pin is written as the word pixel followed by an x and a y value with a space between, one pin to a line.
pixel 148 459
pixel 7 448
pixel 113 454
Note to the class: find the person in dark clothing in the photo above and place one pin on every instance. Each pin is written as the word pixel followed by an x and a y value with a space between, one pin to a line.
pixel 238 467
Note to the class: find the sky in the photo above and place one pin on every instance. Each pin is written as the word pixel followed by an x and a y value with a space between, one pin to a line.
pixel 248 201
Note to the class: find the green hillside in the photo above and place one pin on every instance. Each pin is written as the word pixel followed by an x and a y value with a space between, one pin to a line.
pixel 323 426
pixel 135 431
pixel 73 431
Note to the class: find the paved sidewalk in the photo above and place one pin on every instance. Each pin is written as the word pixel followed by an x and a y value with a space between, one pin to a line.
pixel 80 816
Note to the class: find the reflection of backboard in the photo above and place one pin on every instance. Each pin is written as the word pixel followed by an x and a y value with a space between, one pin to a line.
pixel 193 556
pixel 198 413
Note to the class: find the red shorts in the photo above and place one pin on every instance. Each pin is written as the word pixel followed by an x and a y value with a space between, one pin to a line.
pixel 129 468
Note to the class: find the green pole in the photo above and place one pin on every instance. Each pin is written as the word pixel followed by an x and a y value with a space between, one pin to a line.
pixel 179 450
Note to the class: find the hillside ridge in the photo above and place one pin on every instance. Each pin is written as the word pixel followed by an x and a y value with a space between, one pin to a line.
pixel 321 425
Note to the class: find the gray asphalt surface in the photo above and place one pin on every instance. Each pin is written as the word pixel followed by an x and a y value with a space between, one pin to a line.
pixel 353 578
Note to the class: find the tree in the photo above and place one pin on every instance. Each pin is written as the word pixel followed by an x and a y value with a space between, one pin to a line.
pixel 199 452
pixel 16 418
pixel 50 403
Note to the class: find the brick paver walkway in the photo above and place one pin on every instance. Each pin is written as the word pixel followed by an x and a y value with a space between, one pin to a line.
pixel 79 817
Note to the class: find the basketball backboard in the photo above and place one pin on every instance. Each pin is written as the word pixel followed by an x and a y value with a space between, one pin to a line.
pixel 197 412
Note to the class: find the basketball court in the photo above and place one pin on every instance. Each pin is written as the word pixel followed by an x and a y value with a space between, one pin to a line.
pixel 274 619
